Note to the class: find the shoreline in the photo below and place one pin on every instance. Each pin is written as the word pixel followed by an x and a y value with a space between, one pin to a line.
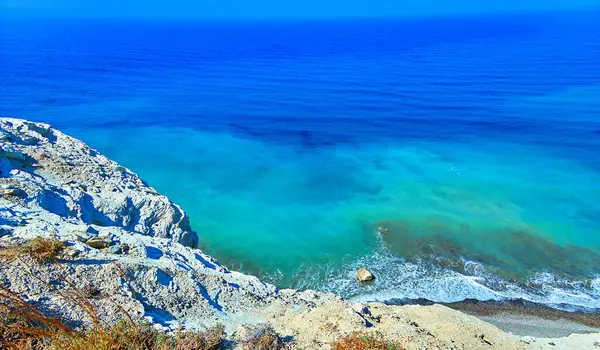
pixel 523 318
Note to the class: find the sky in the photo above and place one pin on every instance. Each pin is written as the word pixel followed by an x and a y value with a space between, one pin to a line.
pixel 218 9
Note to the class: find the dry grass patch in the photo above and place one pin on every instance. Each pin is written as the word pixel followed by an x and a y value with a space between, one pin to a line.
pixel 41 250
pixel 265 338
pixel 210 339
pixel 364 341
pixel 26 327
pixel 127 336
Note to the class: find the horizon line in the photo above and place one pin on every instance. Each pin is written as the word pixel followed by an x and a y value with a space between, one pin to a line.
pixel 37 15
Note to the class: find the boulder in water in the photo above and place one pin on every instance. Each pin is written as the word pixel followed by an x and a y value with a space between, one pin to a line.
pixel 382 230
pixel 365 275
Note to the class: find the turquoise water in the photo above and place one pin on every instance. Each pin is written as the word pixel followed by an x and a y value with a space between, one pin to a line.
pixel 475 142
pixel 309 218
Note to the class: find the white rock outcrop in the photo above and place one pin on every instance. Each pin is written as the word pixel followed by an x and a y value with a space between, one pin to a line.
pixel 58 174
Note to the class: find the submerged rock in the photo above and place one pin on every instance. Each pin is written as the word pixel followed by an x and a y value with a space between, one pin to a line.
pixel 364 275
pixel 382 230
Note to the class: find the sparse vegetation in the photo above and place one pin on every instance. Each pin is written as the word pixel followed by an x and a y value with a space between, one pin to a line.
pixel 25 326
pixel 329 327
pixel 365 341
pixel 211 339
pixel 126 336
pixel 265 338
pixel 41 250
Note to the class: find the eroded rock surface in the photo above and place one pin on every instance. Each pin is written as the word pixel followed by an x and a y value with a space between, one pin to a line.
pixel 45 171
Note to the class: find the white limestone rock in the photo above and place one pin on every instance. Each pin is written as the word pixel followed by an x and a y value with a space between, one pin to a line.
pixel 64 176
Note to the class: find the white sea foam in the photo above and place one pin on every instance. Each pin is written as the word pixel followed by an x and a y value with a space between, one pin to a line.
pixel 401 279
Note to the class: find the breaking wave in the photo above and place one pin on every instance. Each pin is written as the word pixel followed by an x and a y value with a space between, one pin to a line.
pixel 398 278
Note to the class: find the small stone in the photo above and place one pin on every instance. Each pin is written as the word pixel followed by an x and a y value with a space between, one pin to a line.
pixel 365 275
pixel 98 243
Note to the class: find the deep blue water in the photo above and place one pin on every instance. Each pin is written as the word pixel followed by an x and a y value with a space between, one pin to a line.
pixel 474 141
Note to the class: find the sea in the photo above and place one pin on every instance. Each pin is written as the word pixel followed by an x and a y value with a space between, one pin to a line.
pixel 454 157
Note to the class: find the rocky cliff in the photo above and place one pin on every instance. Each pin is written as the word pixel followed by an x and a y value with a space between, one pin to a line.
pixel 45 171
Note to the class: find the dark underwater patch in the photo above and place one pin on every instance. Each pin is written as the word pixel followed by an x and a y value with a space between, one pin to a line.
pixel 510 253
